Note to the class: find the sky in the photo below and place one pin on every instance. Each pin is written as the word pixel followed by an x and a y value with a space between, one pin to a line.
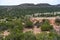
pixel 17 2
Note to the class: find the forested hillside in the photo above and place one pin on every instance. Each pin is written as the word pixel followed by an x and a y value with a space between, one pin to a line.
pixel 27 8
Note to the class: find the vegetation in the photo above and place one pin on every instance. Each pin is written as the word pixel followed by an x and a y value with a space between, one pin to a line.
pixel 15 27
pixel 29 24
pixel 13 17
pixel 46 36
pixel 31 36
pixel 57 21
pixel 46 26
pixel 19 11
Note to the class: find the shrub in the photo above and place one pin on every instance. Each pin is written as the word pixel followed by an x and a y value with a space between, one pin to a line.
pixel 29 24
pixel 46 26
pixel 57 21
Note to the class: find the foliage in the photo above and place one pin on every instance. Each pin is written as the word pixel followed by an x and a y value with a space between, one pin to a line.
pixel 29 24
pixel 29 36
pixel 46 36
pixel 15 36
pixel 21 36
pixel 17 11
pixel 46 26
pixel 16 31
pixel 57 21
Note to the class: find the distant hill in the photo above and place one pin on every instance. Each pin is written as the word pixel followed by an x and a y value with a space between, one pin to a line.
pixel 31 5
pixel 27 5
pixel 43 4
pixel 28 8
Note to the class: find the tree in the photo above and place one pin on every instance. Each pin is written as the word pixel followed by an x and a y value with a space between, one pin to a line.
pixel 46 26
pixel 29 36
pixel 17 30
pixel 3 26
pixel 15 33
pixel 15 36
pixel 21 36
pixel 29 24
pixel 46 36
pixel 57 21
pixel 38 24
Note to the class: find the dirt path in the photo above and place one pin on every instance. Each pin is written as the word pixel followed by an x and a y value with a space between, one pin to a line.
pixel 36 30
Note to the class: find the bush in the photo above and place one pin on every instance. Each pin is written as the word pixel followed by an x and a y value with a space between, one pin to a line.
pixel 29 24
pixel 21 36
pixel 46 26
pixel 29 36
pixel 57 21
pixel 46 36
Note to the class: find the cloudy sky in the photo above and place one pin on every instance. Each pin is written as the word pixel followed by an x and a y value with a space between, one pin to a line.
pixel 17 2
